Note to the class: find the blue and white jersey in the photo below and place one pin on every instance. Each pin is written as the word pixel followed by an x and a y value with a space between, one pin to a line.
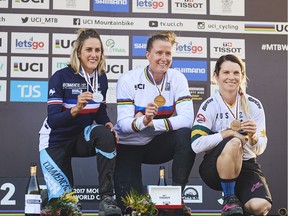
pixel 214 116
pixel 135 89
pixel 64 87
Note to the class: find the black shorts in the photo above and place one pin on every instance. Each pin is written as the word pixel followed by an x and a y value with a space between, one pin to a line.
pixel 251 182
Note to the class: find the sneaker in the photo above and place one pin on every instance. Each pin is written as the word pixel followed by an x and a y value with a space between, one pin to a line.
pixel 187 211
pixel 232 206
pixel 108 206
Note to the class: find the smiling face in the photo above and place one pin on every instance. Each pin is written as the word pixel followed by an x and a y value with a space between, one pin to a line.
pixel 229 77
pixel 90 54
pixel 160 58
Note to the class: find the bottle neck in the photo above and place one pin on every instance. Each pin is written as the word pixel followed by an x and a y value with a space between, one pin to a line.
pixel 33 170
pixel 162 173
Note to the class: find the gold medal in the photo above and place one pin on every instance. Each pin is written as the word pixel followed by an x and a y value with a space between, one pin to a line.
pixel 235 125
pixel 159 100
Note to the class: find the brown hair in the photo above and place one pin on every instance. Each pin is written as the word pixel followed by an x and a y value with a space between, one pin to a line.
pixel 243 84
pixel 164 36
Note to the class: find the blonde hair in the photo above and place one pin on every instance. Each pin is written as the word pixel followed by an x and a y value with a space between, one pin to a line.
pixel 82 35
pixel 243 84
pixel 164 36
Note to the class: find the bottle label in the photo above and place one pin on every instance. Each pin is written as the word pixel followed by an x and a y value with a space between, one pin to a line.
pixel 33 203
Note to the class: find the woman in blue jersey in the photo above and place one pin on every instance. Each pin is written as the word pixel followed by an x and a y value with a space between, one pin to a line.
pixel 155 117
pixel 77 124
pixel 230 128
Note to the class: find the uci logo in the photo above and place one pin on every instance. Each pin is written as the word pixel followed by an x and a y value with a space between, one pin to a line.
pixel 139 86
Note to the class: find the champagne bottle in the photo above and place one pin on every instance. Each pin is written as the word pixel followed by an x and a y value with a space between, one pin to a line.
pixel 162 180
pixel 33 194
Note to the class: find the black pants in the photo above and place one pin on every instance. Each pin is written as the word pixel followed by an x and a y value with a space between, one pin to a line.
pixel 175 145
pixel 60 156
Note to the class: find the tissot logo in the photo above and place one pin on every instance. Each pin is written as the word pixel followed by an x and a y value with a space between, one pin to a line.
pixel 76 21
pixel 24 19
pixel 153 23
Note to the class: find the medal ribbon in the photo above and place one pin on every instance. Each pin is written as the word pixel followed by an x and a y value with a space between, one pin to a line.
pixel 237 104
pixel 162 81
pixel 88 81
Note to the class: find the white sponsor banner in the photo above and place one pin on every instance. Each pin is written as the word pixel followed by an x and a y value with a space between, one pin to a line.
pixel 222 46
pixel 29 67
pixel 151 6
pixel 4 4
pixel 135 23
pixel 24 42
pixel 139 63
pixel 59 63
pixel 195 47
pixel 3 66
pixel 189 7
pixel 39 4
pixel 3 90
pixel 116 67
pixel 62 43
pixel 3 42
pixel 227 7
pixel 111 93
pixel 81 5
pixel 115 45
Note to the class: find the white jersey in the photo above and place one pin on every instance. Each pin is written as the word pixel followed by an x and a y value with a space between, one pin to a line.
pixel 135 89
pixel 214 116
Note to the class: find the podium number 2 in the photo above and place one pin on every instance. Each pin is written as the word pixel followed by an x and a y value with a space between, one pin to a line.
pixel 6 199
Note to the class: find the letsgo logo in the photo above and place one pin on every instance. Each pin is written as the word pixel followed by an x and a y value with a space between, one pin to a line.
pixel 154 4
pixel 188 48
pixel 145 6
pixel 29 44
pixel 28 91
pixel 191 47
pixel 26 43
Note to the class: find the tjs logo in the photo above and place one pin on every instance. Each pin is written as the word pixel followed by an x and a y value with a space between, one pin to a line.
pixel 28 91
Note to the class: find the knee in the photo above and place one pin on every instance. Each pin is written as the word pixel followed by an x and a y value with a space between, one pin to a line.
pixel 233 148
pixel 258 206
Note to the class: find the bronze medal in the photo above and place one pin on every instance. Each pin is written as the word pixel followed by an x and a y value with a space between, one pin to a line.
pixel 159 100
pixel 235 125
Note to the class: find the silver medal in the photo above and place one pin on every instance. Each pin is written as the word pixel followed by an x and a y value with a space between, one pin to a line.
pixel 97 97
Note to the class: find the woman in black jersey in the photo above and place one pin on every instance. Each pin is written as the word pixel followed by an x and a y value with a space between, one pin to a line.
pixel 77 124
